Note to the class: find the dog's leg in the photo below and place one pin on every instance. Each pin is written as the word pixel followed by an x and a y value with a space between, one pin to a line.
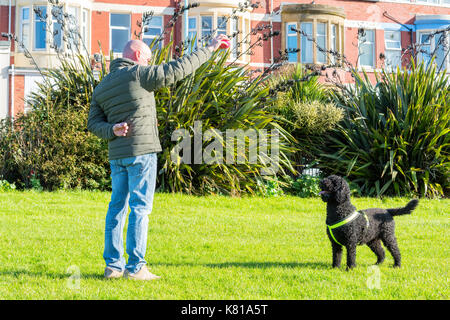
pixel 351 255
pixel 337 255
pixel 375 246
pixel 391 244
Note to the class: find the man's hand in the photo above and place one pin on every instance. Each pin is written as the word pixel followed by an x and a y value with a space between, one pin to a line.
pixel 217 42
pixel 120 129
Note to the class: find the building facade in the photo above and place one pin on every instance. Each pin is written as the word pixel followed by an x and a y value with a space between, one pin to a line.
pixel 104 25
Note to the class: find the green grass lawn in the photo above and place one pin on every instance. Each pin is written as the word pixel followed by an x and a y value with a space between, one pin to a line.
pixel 213 248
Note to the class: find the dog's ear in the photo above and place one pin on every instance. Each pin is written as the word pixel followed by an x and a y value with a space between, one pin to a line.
pixel 342 193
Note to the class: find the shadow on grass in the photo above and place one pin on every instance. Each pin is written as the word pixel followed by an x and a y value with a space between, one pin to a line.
pixel 224 265
pixel 47 274
pixel 265 265
pixel 249 265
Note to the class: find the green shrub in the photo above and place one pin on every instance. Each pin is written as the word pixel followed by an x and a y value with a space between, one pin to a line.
pixel 48 147
pixel 394 138
pixel 306 186
pixel 6 186
pixel 315 117
pixel 270 188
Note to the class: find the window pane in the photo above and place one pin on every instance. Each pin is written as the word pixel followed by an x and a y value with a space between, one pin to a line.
pixel 192 34
pixel 119 39
pixel 392 39
pixel 25 14
pixel 40 35
pixel 292 44
pixel 366 48
pixel 192 23
pixel 57 34
pixel 425 38
pixel 369 36
pixel 222 25
pixel 306 45
pixel 154 27
pixel 440 44
pixel 120 20
pixel 234 28
pixel 321 42
pixel 393 59
pixel 366 58
pixel 25 34
pixel 333 42
pixel 207 23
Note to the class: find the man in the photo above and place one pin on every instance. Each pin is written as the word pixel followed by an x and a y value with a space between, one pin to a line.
pixel 123 111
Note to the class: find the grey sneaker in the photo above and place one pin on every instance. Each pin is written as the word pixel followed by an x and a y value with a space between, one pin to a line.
pixel 142 274
pixel 111 273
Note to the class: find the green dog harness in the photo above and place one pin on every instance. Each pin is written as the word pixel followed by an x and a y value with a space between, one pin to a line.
pixel 350 218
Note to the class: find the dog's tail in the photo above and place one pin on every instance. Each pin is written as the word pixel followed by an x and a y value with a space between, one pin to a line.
pixel 405 210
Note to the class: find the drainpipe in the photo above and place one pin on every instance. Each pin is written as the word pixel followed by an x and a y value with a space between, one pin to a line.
pixel 186 20
pixel 271 29
pixel 9 17
pixel 12 92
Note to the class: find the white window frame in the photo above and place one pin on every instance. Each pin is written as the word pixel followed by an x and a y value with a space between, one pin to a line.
pixel 289 25
pixel 317 40
pixel 193 31
pixel 373 51
pixel 234 27
pixel 333 41
pixel 85 27
pixel 151 37
pixel 25 22
pixel 397 50
pixel 111 28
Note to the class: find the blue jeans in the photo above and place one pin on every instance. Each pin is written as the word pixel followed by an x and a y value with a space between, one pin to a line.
pixel 133 181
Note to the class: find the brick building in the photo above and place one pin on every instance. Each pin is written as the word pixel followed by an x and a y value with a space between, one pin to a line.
pixel 389 26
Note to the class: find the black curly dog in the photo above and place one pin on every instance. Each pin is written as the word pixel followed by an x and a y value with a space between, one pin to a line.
pixel 368 227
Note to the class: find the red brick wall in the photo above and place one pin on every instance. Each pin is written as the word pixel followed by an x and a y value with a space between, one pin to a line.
pixel 4 13
pixel 100 31
pixel 19 93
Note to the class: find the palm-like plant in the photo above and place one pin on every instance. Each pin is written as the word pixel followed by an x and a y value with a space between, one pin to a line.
pixel 395 137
